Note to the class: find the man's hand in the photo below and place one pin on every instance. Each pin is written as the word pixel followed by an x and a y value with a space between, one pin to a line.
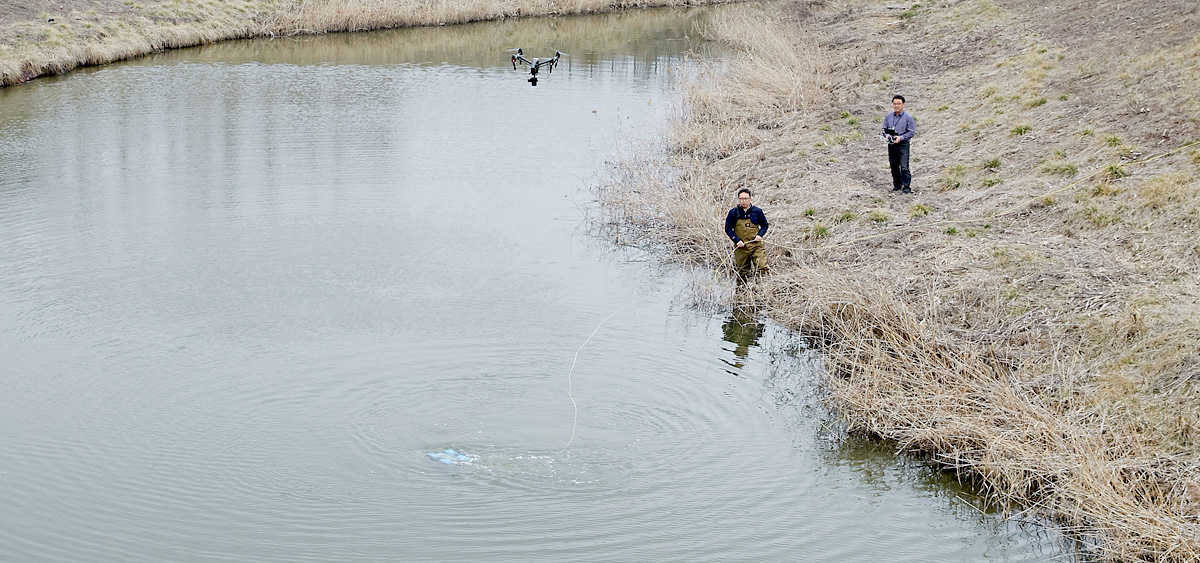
pixel 741 244
pixel 757 238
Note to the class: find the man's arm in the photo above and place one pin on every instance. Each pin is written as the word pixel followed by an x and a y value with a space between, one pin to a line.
pixel 730 219
pixel 910 127
pixel 762 220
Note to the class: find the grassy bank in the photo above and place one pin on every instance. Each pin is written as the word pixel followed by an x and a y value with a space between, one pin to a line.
pixel 66 34
pixel 1030 316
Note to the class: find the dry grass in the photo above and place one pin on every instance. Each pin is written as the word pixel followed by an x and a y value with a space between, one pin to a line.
pixel 32 48
pixel 1017 425
pixel 95 32
pixel 1032 322
pixel 321 16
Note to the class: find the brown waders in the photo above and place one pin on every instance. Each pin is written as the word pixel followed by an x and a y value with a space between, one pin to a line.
pixel 753 252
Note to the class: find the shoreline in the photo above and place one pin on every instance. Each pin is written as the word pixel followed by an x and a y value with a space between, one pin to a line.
pixel 1030 316
pixel 69 34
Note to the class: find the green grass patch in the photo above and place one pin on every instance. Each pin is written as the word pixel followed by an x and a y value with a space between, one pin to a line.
pixel 1099 218
pixel 1020 129
pixel 951 178
pixel 1061 168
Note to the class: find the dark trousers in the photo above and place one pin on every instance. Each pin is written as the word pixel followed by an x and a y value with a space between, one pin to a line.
pixel 898 159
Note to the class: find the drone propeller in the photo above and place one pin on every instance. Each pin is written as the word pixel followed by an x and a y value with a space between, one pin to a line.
pixel 517 50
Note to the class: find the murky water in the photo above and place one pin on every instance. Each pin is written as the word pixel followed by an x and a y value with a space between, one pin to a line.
pixel 244 289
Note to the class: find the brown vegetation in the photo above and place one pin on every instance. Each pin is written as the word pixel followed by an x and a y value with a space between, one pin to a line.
pixel 41 37
pixel 1030 316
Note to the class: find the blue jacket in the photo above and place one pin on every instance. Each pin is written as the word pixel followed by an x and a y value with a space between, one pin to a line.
pixel 754 214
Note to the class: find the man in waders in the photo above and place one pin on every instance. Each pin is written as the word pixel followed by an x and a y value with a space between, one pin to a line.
pixel 746 225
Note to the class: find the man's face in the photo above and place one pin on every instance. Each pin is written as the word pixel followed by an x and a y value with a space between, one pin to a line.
pixel 744 201
pixel 897 106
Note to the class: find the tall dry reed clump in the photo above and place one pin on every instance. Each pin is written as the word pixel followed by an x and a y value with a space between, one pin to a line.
pixel 1042 341
pixel 104 31
pixel 724 107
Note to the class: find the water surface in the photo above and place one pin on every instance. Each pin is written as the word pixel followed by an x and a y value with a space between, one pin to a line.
pixel 245 288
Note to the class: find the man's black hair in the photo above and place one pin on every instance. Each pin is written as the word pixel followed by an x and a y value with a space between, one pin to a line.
pixel 898 97
pixel 745 191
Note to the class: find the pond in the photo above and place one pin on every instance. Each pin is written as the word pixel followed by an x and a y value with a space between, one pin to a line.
pixel 245 289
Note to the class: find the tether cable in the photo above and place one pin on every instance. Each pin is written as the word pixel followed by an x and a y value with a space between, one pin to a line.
pixel 721 264
pixel 997 215
pixel 575 360
pixel 570 372
pixel 1011 209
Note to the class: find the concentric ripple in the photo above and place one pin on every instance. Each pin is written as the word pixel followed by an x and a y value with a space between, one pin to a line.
pixel 246 288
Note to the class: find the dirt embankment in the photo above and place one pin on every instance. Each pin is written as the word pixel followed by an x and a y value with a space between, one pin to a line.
pixel 44 37
pixel 1030 315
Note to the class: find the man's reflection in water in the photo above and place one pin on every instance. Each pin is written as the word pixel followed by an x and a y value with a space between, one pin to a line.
pixel 744 330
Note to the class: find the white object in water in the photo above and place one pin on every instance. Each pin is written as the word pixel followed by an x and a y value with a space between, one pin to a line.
pixel 450 457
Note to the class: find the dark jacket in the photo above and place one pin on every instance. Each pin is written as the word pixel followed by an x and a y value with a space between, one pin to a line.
pixel 754 214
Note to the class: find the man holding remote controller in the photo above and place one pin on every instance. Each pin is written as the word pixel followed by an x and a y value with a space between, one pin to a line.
pixel 898 127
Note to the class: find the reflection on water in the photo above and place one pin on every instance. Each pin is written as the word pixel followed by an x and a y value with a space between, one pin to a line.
pixel 742 329
pixel 650 41
pixel 246 288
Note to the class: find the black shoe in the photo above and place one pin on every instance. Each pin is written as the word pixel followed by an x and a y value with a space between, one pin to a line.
pixel 895 189
pixel 907 191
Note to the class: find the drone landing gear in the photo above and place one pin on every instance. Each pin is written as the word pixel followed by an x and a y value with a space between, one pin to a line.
pixel 536 64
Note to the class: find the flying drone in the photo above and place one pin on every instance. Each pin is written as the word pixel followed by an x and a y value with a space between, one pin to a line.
pixel 536 64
